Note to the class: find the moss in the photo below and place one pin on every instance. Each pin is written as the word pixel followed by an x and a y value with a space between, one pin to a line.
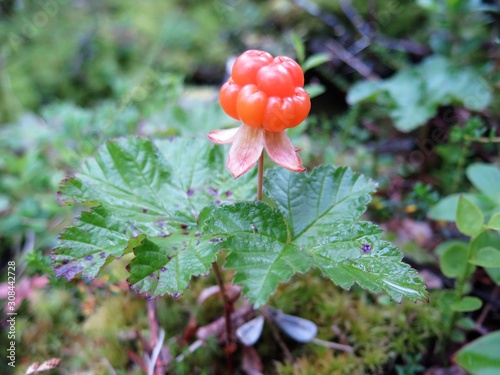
pixel 379 330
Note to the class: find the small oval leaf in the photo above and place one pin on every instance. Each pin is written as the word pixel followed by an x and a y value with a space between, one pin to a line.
pixel 469 219
pixel 454 260
pixel 315 61
pixel 486 257
pixel 486 178
pixel 314 90
pixel 494 222
pixel 467 304
pixel 480 357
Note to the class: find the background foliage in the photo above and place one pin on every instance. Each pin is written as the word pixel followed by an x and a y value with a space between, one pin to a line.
pixel 409 98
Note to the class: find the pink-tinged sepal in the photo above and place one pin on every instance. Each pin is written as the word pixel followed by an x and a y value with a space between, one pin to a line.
pixel 282 152
pixel 247 147
pixel 222 137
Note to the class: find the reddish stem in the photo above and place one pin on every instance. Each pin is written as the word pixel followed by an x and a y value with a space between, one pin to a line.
pixel 260 181
pixel 154 327
pixel 228 308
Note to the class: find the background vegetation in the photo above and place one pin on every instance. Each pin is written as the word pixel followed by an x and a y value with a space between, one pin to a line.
pixel 404 91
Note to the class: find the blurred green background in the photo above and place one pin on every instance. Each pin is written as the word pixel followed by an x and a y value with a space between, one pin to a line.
pixel 404 91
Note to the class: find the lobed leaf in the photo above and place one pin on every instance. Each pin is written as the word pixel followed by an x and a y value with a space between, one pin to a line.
pixel 379 271
pixel 316 225
pixel 132 181
pixel 325 227
pixel 257 237
pixel 166 265
pixel 96 237
pixel 412 95
pixel 147 196
pixel 312 203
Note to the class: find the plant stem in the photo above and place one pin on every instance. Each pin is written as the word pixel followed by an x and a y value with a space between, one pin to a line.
pixel 460 291
pixel 486 310
pixel 156 365
pixel 467 270
pixel 265 311
pixel 260 180
pixel 483 139
pixel 460 166
pixel 228 308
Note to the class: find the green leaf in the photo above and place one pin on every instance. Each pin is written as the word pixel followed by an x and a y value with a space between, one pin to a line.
pixel 485 178
pixel 412 95
pixel 434 72
pixel 457 336
pixel 486 257
pixel 470 219
pixel 201 173
pixel 471 90
pixel 466 323
pixel 146 193
pixel 132 181
pixel 154 185
pixel 312 203
pixel 96 237
pixel 315 60
pixel 316 225
pixel 443 246
pixel 166 265
pixel 480 357
pixel 410 117
pixel 446 208
pixel 467 304
pixel 488 239
pixel 453 261
pixel 256 236
pixel 362 91
pixel 380 271
pixel 494 222
pixel 405 88
pixel 298 45
pixel 314 90
pixel 322 210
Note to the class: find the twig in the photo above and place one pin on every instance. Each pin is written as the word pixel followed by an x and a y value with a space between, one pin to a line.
pixel 483 139
pixel 359 23
pixel 137 360
pixel 153 323
pixel 464 150
pixel 333 345
pixel 350 60
pixel 486 310
pixel 314 10
pixel 337 48
pixel 372 10
pixel 156 354
pixel 369 33
pixel 277 335
pixel 190 350
pixel 155 368
pixel 217 328
pixel 228 307
pixel 109 366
